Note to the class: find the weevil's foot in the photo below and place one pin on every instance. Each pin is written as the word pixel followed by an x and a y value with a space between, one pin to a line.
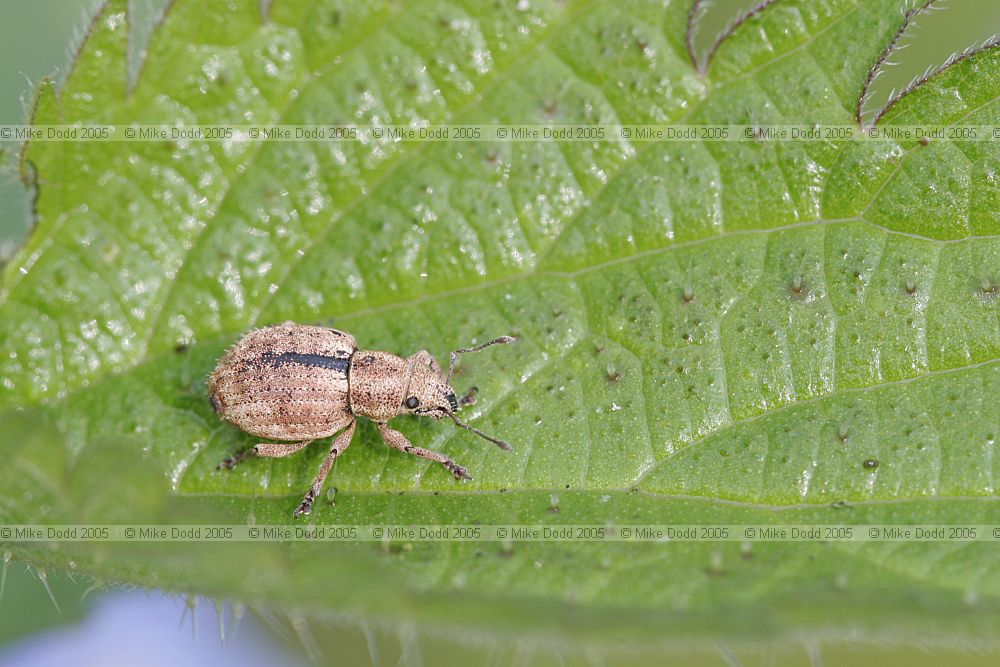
pixel 306 506
pixel 229 463
pixel 458 471
pixel 469 398
pixel 232 461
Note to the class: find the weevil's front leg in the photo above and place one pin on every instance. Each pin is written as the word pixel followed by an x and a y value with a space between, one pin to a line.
pixel 339 445
pixel 425 357
pixel 397 440
pixel 272 450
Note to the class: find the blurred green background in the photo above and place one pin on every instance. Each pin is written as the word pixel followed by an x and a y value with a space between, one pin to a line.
pixel 38 38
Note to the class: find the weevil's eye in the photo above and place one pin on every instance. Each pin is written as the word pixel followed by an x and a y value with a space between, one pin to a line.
pixel 412 402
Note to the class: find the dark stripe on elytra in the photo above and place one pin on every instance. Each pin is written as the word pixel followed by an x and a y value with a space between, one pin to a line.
pixel 273 360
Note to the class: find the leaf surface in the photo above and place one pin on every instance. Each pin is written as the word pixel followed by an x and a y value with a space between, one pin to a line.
pixel 711 332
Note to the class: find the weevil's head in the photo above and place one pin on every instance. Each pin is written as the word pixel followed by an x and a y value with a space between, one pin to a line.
pixel 429 394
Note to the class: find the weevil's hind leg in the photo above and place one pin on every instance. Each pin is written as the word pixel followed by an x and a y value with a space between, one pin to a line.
pixel 268 449
pixel 423 356
pixel 231 462
pixel 276 450
pixel 397 440
pixel 339 445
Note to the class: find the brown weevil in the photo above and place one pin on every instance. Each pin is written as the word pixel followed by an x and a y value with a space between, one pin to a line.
pixel 298 383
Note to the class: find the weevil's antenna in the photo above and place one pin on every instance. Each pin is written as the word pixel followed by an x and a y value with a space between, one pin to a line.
pixel 499 443
pixel 502 340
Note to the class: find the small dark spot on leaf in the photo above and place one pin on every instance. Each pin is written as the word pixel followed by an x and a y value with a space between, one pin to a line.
pixel 394 549
pixel 871 464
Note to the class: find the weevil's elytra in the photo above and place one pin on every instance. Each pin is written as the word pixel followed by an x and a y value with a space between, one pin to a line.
pixel 297 383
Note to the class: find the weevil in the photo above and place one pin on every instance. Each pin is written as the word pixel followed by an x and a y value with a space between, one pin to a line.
pixel 297 383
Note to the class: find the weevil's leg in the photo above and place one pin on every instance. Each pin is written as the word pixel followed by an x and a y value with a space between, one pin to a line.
pixel 469 398
pixel 231 462
pixel 425 357
pixel 268 449
pixel 340 443
pixel 275 450
pixel 397 440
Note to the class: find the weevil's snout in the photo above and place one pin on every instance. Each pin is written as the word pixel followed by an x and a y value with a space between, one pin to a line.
pixel 438 403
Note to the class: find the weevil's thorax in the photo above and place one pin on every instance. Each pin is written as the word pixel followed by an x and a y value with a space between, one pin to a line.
pixel 377 384
pixel 383 386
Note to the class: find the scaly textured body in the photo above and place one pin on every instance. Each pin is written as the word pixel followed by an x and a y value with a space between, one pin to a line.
pixel 287 382
pixel 297 383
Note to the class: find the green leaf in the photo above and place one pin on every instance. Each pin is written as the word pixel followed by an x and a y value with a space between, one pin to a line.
pixel 711 332
pixel 35 595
